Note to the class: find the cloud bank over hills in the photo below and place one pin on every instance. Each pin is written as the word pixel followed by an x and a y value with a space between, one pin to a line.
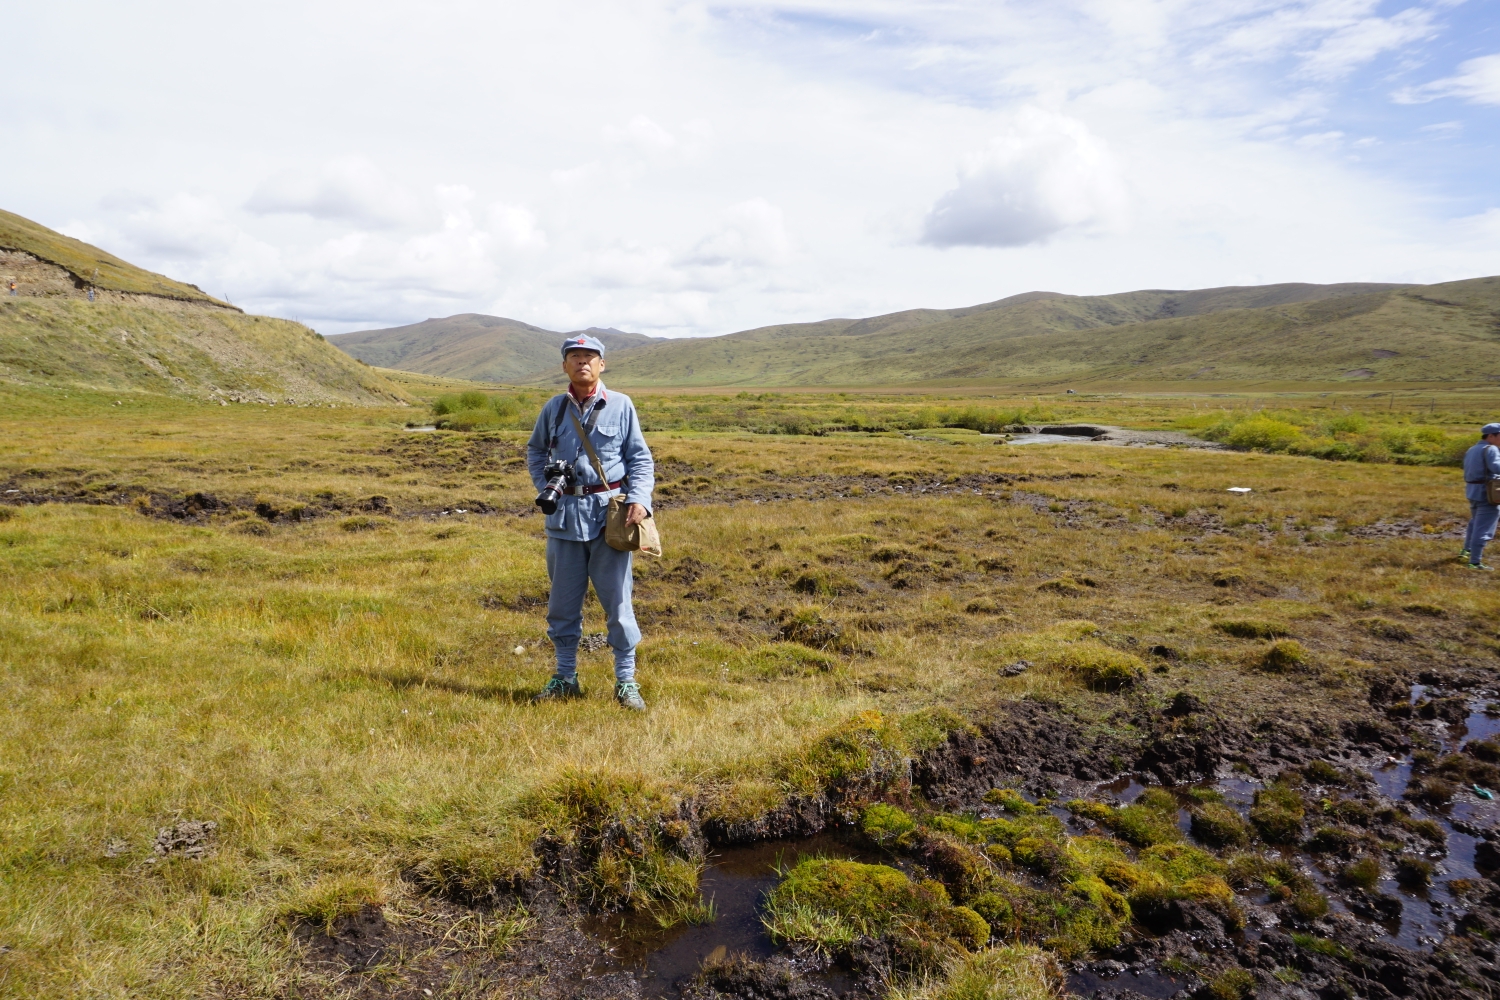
pixel 697 168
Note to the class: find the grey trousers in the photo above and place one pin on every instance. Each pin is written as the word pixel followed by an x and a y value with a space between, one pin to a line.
pixel 1482 519
pixel 570 567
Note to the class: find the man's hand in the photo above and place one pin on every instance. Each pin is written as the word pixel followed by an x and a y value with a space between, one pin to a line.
pixel 635 514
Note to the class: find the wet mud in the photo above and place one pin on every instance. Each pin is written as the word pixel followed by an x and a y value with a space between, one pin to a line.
pixel 1424 925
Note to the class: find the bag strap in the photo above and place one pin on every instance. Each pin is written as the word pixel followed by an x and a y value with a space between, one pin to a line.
pixel 589 447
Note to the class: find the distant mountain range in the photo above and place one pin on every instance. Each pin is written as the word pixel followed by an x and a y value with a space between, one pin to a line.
pixel 1285 332
pixel 475 346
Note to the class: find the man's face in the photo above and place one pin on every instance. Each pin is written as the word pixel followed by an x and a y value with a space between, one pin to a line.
pixel 582 366
pixel 1493 439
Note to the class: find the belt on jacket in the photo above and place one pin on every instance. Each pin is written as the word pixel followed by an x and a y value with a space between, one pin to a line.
pixel 584 491
pixel 1476 482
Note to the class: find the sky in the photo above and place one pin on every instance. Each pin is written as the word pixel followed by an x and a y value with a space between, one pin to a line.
pixel 687 169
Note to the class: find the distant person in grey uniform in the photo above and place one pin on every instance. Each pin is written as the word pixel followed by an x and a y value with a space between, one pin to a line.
pixel 576 551
pixel 1481 464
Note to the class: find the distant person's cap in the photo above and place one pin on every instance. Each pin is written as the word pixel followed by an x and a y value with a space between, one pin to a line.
pixel 1489 429
pixel 583 342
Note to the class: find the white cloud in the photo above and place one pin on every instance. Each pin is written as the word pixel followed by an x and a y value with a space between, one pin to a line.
pixel 643 134
pixel 1477 81
pixel 691 168
pixel 1358 42
pixel 751 234
pixel 1047 173
pixel 516 226
pixel 348 189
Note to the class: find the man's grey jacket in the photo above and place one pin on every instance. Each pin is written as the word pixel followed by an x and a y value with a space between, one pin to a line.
pixel 616 436
pixel 1481 463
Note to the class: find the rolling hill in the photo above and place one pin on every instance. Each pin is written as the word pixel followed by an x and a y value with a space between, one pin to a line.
pixel 143 332
pixel 473 346
pixel 1284 333
pixel 1308 333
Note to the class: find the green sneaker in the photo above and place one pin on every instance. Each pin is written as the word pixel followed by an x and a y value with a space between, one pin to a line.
pixel 1482 566
pixel 1463 555
pixel 628 694
pixel 558 689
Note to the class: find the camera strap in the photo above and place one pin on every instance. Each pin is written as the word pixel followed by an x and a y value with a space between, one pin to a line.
pixel 589 446
pixel 565 403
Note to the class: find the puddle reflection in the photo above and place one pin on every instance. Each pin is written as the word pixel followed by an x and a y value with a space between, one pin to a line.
pixel 736 881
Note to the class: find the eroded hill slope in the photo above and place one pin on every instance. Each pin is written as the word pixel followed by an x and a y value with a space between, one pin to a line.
pixel 142 332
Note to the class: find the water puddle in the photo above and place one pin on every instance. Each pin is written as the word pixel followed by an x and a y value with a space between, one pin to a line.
pixel 1157 985
pixel 1427 913
pixel 736 881
pixel 1049 439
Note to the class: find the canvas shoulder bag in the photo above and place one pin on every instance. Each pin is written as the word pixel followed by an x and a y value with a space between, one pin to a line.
pixel 1492 491
pixel 622 537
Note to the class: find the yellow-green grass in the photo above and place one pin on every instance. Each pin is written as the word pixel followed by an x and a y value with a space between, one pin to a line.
pixel 348 707
pixel 1010 972
pixel 1406 427
pixel 89 263
pixel 161 346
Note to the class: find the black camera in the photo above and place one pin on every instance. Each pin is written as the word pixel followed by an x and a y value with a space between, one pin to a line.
pixel 560 480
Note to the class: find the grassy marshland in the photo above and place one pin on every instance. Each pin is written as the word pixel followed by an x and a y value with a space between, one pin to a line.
pixel 332 679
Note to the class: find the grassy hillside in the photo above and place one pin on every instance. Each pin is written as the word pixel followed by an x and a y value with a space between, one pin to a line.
pixel 163 346
pixel 90 264
pixel 148 333
pixel 1287 332
pixel 472 346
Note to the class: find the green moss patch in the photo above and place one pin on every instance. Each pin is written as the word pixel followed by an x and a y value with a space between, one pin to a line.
pixel 887 825
pixel 1217 824
pixel 1277 814
pixel 1151 819
pixel 826 903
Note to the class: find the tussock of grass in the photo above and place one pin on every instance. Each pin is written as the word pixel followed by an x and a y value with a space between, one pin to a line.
pixel 1277 814
pixel 1364 873
pixel 1217 824
pixel 1232 984
pixel 825 903
pixel 477 869
pixel 1101 667
pixel 326 900
pixel 1242 628
pixel 1283 657
pixel 1011 972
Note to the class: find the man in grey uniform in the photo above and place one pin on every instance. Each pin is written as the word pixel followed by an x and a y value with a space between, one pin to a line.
pixel 576 551
pixel 1481 464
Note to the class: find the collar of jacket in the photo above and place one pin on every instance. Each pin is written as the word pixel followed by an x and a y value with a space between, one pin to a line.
pixel 583 404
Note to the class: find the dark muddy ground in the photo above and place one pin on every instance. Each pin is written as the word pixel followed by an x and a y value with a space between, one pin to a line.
pixel 689 488
pixel 1403 779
